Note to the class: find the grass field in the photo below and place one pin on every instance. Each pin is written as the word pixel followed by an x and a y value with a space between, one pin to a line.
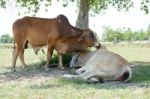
pixel 40 84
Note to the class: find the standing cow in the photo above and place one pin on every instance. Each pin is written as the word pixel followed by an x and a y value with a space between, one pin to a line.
pixel 56 33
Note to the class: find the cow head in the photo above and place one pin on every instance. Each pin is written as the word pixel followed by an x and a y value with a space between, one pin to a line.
pixel 90 38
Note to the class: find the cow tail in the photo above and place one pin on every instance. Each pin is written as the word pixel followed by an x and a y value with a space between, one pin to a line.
pixel 26 44
pixel 14 44
pixel 127 75
pixel 14 47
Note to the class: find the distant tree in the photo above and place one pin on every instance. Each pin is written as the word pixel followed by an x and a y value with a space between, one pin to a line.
pixel 148 33
pixel 128 35
pixel 135 36
pixel 112 35
pixel 107 35
pixel 5 38
pixel 142 35
pixel 125 35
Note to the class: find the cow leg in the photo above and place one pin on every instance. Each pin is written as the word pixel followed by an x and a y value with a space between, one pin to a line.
pixel 81 70
pixel 86 75
pixel 95 79
pixel 60 61
pixel 21 56
pixel 74 60
pixel 92 80
pixel 14 58
pixel 49 56
pixel 18 51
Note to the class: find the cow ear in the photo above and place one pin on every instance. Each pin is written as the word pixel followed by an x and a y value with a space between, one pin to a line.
pixel 82 37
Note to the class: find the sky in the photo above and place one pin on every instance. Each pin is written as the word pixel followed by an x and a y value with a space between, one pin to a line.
pixel 134 19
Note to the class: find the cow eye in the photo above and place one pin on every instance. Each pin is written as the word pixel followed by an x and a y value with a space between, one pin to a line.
pixel 91 35
pixel 85 36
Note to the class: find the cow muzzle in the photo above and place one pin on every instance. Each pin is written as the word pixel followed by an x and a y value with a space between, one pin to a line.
pixel 97 45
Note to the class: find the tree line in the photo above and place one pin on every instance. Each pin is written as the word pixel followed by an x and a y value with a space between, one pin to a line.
pixel 109 34
pixel 6 38
pixel 125 34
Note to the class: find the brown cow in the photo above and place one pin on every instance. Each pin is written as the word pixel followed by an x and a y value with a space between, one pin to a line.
pixel 56 33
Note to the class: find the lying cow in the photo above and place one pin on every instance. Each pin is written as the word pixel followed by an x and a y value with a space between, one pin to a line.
pixel 101 65
pixel 56 33
pixel 80 58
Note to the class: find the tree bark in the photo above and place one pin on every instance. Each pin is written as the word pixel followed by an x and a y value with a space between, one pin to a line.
pixel 82 21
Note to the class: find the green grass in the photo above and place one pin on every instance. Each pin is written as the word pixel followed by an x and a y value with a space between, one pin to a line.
pixel 132 53
pixel 40 84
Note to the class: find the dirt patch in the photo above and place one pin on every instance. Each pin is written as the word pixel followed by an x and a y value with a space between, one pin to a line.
pixel 32 74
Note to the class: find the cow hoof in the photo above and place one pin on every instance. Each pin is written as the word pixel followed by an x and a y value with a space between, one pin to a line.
pixel 47 69
pixel 80 71
pixel 13 69
pixel 26 69
pixel 91 82
pixel 61 67
pixel 52 65
pixel 101 81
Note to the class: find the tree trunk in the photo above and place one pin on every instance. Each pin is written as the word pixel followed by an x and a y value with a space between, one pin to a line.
pixel 83 16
